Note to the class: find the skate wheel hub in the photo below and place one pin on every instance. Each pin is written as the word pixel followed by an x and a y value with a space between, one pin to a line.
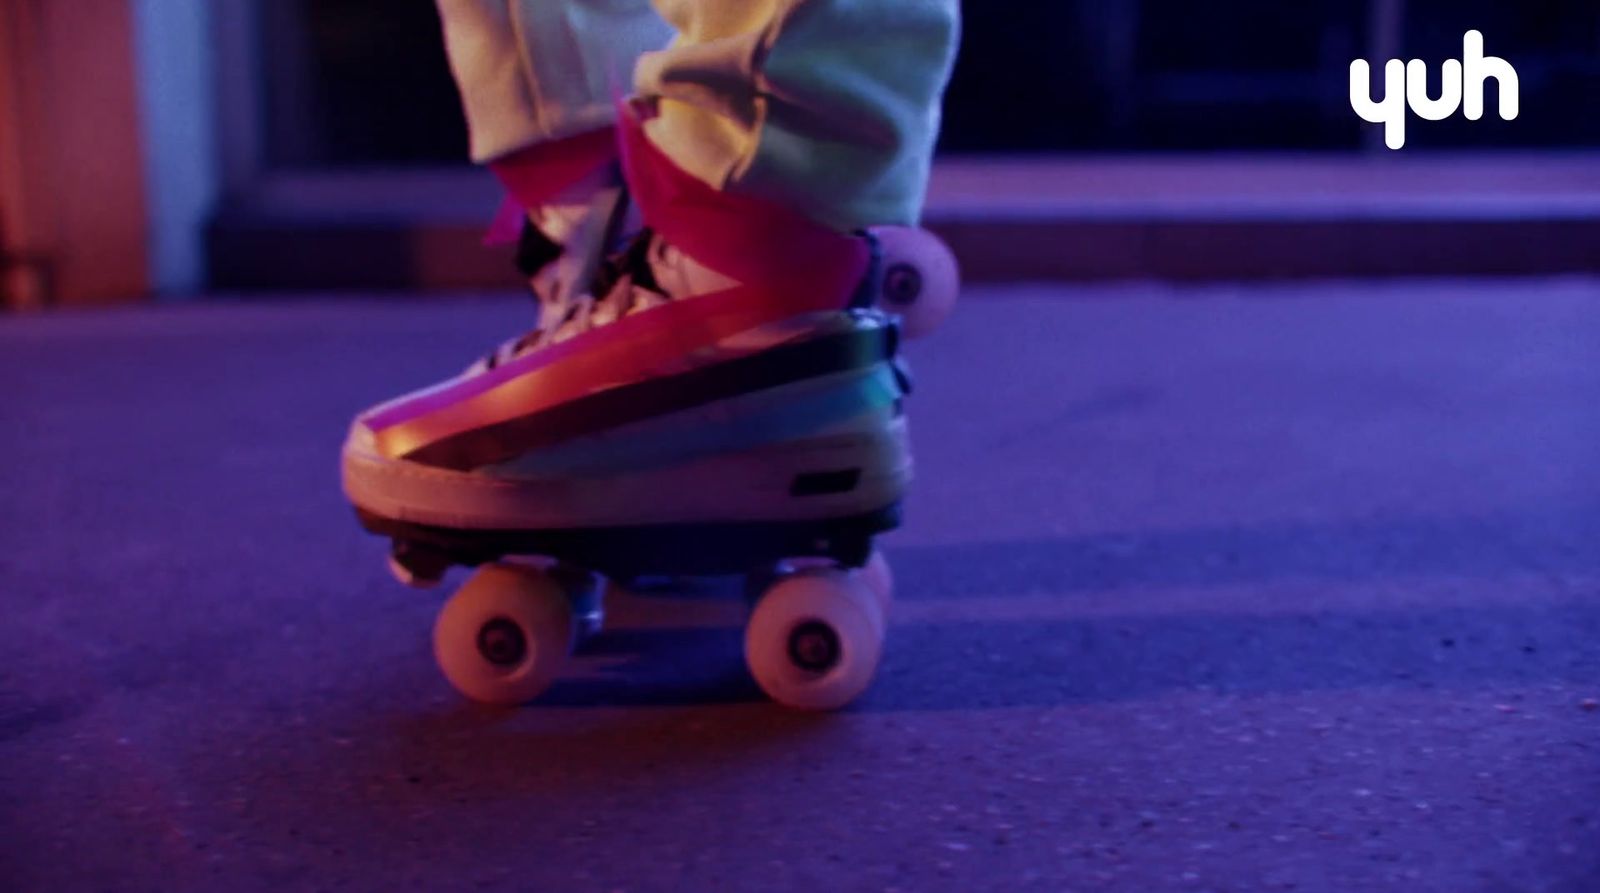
pixel 814 646
pixel 902 284
pixel 502 643
pixel 503 637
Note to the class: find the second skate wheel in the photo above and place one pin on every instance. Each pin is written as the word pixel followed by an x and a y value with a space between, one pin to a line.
pixel 504 636
pixel 920 278
pixel 814 639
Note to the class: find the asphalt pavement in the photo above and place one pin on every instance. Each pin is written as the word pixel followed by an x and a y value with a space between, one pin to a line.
pixel 1279 587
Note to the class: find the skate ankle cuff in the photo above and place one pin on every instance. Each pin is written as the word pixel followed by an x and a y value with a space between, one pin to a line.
pixel 751 240
pixel 536 175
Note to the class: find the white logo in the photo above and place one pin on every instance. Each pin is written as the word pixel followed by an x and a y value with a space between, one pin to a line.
pixel 1406 83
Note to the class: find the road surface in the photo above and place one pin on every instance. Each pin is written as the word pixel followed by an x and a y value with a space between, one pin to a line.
pixel 1286 587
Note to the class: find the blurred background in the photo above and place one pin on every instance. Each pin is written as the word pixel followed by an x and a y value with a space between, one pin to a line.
pixel 171 147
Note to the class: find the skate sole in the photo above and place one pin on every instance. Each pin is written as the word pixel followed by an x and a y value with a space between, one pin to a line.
pixel 829 476
pixel 625 553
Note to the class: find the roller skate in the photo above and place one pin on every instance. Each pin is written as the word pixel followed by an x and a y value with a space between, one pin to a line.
pixel 724 398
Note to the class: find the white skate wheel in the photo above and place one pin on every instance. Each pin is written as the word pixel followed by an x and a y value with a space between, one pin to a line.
pixel 814 640
pixel 503 637
pixel 919 280
pixel 880 579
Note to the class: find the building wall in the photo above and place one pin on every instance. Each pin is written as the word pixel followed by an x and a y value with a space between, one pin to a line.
pixel 72 191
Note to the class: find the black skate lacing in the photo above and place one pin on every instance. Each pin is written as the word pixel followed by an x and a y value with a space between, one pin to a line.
pixel 631 263
pixel 535 250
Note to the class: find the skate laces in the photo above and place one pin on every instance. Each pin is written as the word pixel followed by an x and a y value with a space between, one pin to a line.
pixel 623 285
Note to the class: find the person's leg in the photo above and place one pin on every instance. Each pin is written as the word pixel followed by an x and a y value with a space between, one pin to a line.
pixel 829 107
pixel 538 71
pixel 768 120
pixel 538 81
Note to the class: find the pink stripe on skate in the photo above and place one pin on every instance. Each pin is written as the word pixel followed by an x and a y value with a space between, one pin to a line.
pixel 624 329
pixel 539 173
pixel 744 238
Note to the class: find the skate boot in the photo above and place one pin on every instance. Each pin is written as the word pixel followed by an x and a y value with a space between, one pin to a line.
pixel 720 399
